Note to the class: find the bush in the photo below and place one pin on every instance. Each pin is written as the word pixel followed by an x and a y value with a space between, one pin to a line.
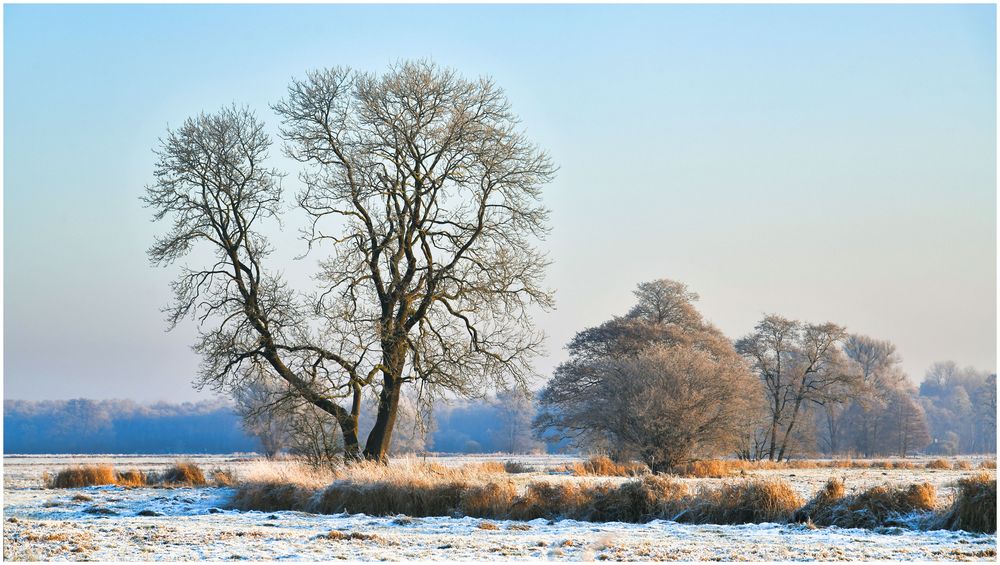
pixel 84 476
pixel 975 505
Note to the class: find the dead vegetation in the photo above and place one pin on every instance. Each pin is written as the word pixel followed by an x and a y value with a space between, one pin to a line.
pixel 941 464
pixel 648 498
pixel 84 476
pixel 975 506
pixel 183 473
pixel 746 502
pixel 426 489
pixel 881 505
pixel 720 468
pixel 180 474
pixel 341 536
pixel 516 467
pixel 603 466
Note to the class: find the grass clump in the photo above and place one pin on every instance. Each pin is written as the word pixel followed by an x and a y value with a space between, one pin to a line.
pixel 650 498
pixel 975 505
pixel 603 466
pixel 492 500
pixel 417 498
pixel 746 502
pixel 131 478
pixel 878 506
pixel 271 497
pixel 708 469
pixel 515 467
pixel 941 464
pixel 84 476
pixel 184 473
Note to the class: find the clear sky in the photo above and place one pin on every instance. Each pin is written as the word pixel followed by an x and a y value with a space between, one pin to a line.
pixel 825 163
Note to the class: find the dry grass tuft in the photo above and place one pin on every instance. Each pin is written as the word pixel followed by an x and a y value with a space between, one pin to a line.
pixel 84 476
pixel 271 497
pixel 223 477
pixel 341 536
pixel 942 464
pixel 413 498
pixel 484 525
pixel 709 469
pixel 486 467
pixel 652 497
pixel 131 478
pixel 492 500
pixel 975 505
pixel 988 464
pixel 746 502
pixel 515 467
pixel 602 466
pixel 878 506
pixel 184 473
pixel 963 465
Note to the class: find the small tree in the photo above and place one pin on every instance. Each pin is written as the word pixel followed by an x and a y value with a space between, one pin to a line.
pixel 660 384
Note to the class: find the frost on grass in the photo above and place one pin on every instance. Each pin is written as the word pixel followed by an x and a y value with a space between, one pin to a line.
pixel 196 523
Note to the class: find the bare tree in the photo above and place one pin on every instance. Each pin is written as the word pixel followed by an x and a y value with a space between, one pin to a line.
pixel 664 388
pixel 515 410
pixel 903 426
pixel 798 365
pixel 428 196
pixel 879 377
pixel 212 183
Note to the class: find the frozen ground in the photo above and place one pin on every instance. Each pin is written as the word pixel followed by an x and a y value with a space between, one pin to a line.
pixel 195 524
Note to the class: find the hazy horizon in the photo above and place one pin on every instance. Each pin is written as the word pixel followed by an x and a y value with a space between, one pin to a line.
pixel 826 163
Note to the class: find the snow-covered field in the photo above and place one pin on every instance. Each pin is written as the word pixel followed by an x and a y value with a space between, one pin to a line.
pixel 194 523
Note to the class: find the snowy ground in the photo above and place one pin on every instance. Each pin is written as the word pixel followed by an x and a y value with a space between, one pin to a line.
pixel 192 524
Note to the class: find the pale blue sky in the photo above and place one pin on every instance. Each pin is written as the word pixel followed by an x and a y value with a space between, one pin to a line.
pixel 826 163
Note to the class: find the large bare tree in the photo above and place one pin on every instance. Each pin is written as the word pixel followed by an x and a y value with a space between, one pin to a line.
pixel 426 196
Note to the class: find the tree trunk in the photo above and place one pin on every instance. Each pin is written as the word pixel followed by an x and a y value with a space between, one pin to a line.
pixel 348 422
pixel 379 439
pixel 788 430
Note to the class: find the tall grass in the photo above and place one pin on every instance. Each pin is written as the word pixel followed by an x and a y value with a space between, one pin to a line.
pixel 876 506
pixel 180 474
pixel 975 506
pixel 603 466
pixel 84 476
pixel 648 498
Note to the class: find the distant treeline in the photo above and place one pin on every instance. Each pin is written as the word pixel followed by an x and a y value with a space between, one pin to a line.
pixel 122 426
pixel 212 426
